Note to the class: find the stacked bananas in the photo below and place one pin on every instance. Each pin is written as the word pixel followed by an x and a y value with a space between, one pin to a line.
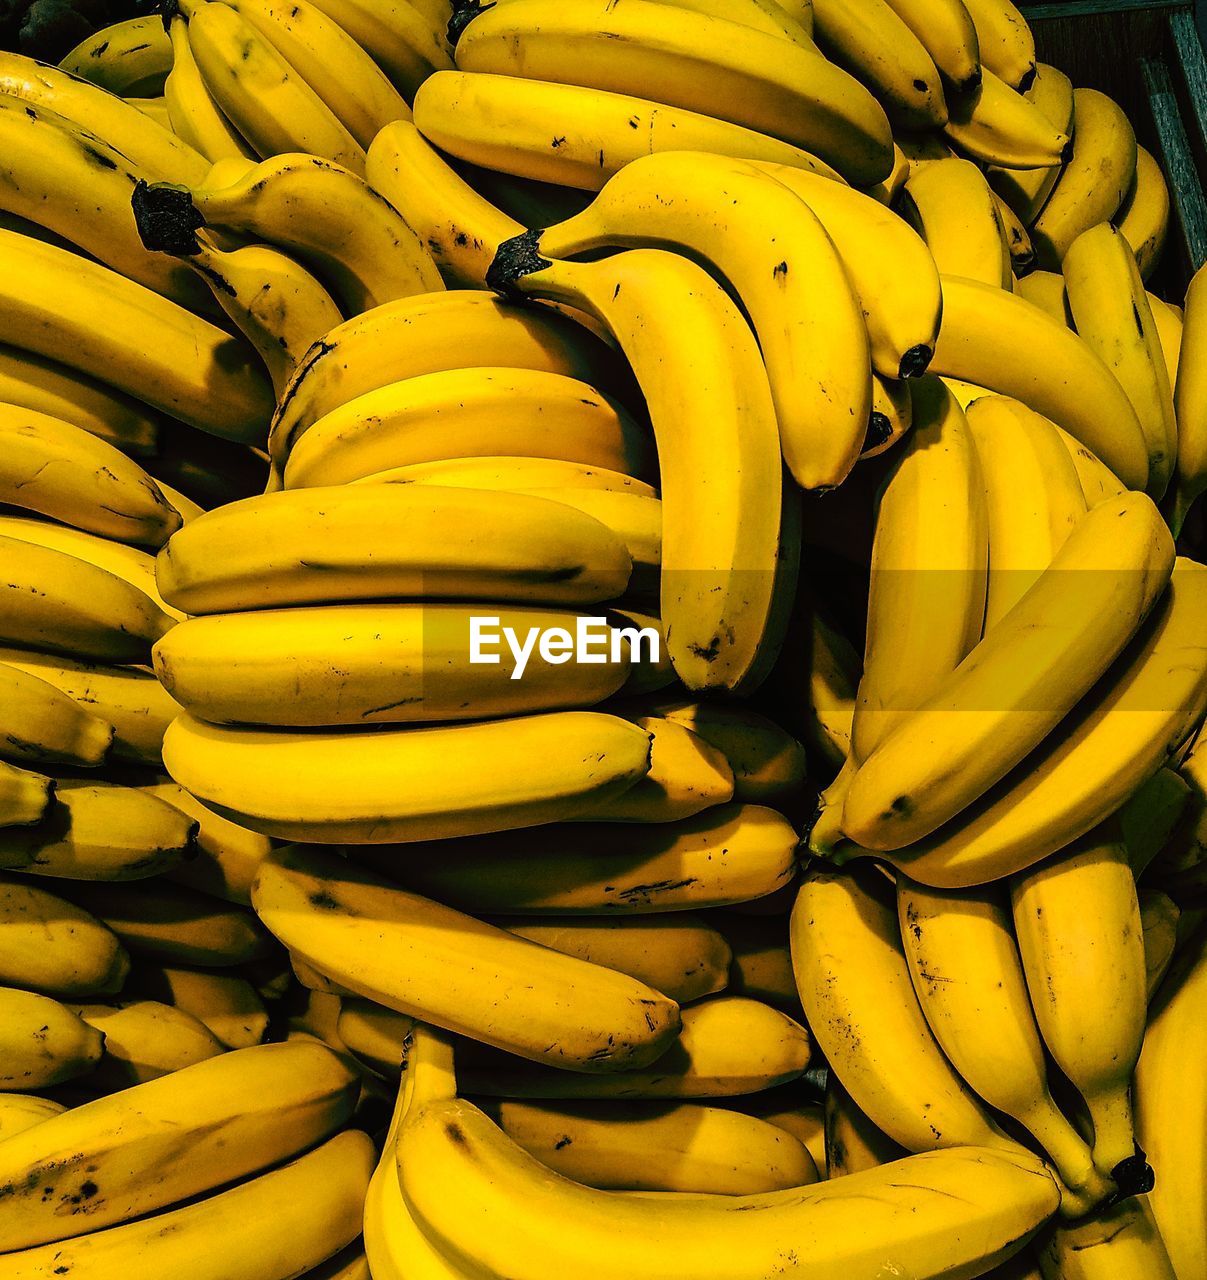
pixel 591 592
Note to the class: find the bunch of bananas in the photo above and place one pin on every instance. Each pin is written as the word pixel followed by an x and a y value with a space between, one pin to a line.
pixel 596 677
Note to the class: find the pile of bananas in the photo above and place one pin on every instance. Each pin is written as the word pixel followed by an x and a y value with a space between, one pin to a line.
pixel 591 641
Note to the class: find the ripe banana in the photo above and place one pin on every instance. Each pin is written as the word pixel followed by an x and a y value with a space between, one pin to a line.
pixel 145 1040
pixel 1000 341
pixel 1190 403
pixel 998 126
pixel 1018 239
pixel 637 1146
pixel 470 413
pixel 829 700
pixel 42 1043
pixel 543 768
pixel 1026 190
pixel 228 1005
pixel 127 58
pixel 1005 41
pixel 700 369
pixel 851 1142
pixel 970 983
pixel 456 1168
pixel 40 724
pixel 571 482
pixel 434 963
pixel 193 114
pixel 951 206
pixel 573 135
pixel 1143 216
pixel 762 963
pixel 722 856
pixel 783 266
pixel 1094 181
pixel 1118 1243
pixel 1110 309
pixel 1153 815
pixel 1032 494
pixel 1097 480
pixel 1159 916
pixel 693 62
pixel 375 1036
pixel 407 41
pixel 1046 290
pixel 1082 945
pixel 21 1111
pixel 52 947
pixel 25 798
pixel 855 986
pixel 276 1226
pixel 947 33
pixel 1168 320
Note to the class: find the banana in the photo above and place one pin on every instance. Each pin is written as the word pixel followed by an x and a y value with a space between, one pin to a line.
pixel 172 923
pixel 407 41
pixel 1117 738
pixel 892 415
pixel 193 370
pixel 370 664
pixel 1171 1111
pixel 436 964
pixel 1153 816
pixel 1046 290
pixel 52 947
pixel 544 768
pixel 1032 494
pixel 186 508
pixel 128 698
pixel 470 413
pixel 786 1111
pixel 637 1146
pixel 60 470
pixel 375 1036
pixel 886 192
pixel 1000 341
pixel 1143 216
pixel 1015 687
pixel 1026 190
pixel 1005 41
pixel 1169 329
pixel 1082 945
pixel 1159 916
pixel 1190 404
pixel 426 334
pixel 52 600
pixel 1095 179
pixel 1097 480
pixel 651 671
pixel 275 1226
pixel 21 1111
pixel 1018 240
pixel 681 955
pixel 762 964
pixel 145 1040
pixel 779 261
pixel 329 60
pixel 310 978
pixel 25 798
pixel 193 114
pixel 34 382
pixel 722 856
pixel 1110 309
pixel 692 62
pixel 999 127
pixel 577 136
pixel 946 31
pixel 263 96
pixel 969 979
pixel 228 1005
pixel 348 1264
pixel 127 58
pixel 456 1168
pixel 144 143
pixel 1118 1243
pixel 951 206
pixel 40 724
pixel 859 1000
pixel 43 1043
pixel 570 482
pixel 710 403
pixel 829 700
pixel 851 1142
pixel 728 1046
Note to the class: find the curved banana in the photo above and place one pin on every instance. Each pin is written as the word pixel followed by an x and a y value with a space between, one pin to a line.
pixel 851 1142
pixel 782 265
pixel 998 126
pixel 145 1040
pixel 1046 290
pixel 711 407
pixel 127 58
pixel 1190 404
pixel 1001 341
pixel 375 1035
pixel 52 947
pixel 720 857
pixel 1015 687
pixel 1018 239
pixel 951 206
pixel 228 1005
pixel 474 413
pixel 25 797
pixel 1143 216
pixel 1094 181
pixel 947 33
pixel 576 136
pixel 433 963
pixel 693 62
pixel 1097 480
pixel 858 997
pixel 1118 1243
pixel 457 1168
pixel 1026 190
pixel 1159 917
pixel 193 370
pixel 522 474
pixel 406 41
pixel 42 1043
pixel 1005 41
pixel 21 1111
pixel 827 702
pixel 1082 945
pixel 1110 308
pixel 1169 322
pixel 545 768
pixel 192 112
pixel 39 724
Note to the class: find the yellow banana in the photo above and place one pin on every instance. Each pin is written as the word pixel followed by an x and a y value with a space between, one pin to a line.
pixel 539 475
pixel 1143 217
pixel 1190 404
pixel 21 1111
pixel 1159 916
pixel 577 136
pixel 1018 239
pixel 434 963
pixel 762 963
pixel 1118 1243
pixel 407 41
pixel 50 946
pixel 1110 309
pixel 1046 290
pixel 1153 815
pixel 40 724
pixel 722 856
pixel 1002 342
pixel 779 261
pixel 1082 945
pixel 947 33
pixel 829 699
pixel 1097 480
pixel 851 1142
pixel 998 126
pixel 801 1119
pixel 127 58
pixel 1004 39
pixel 950 204
pixel 145 1040
pixel 1169 329
pixel 228 1005
pixel 1026 190
pixel 193 114
pixel 714 419
pixel 544 768
pixel 275 1226
pixel 376 1036
pixel 25 798
pixel 43 1043
pixel 457 1168
pixel 1094 181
